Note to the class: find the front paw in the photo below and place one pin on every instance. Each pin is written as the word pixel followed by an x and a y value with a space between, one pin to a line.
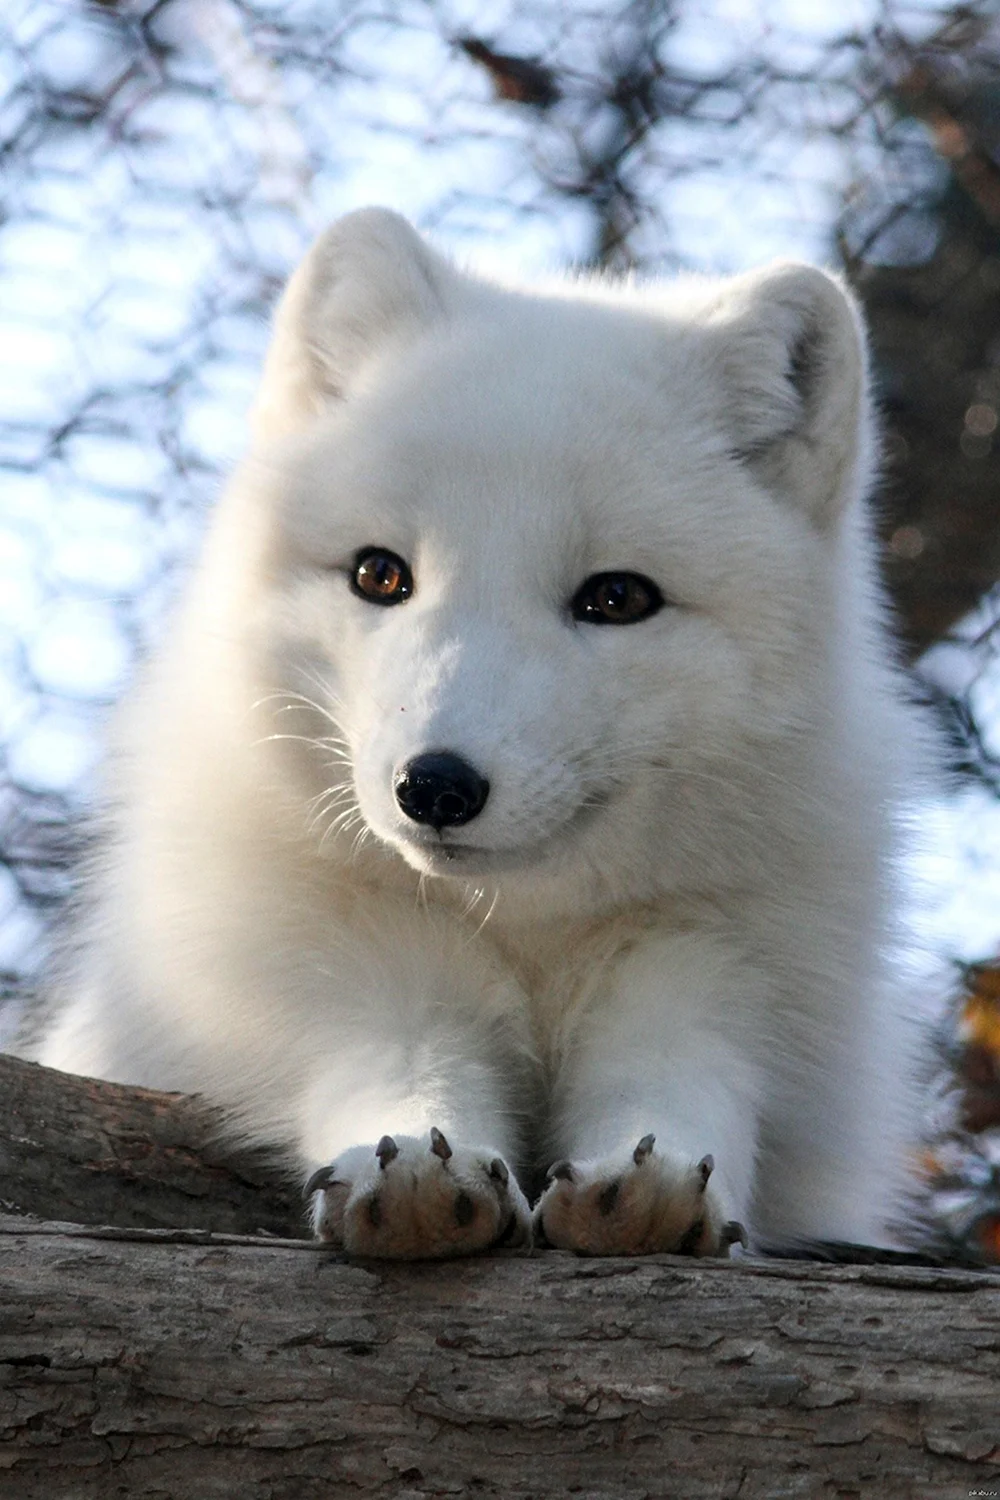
pixel 646 1203
pixel 405 1200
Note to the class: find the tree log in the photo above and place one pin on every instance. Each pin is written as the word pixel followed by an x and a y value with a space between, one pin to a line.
pixel 98 1153
pixel 135 1363
pixel 182 1364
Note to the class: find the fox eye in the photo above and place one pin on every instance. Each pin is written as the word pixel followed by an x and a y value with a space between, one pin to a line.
pixel 616 599
pixel 381 577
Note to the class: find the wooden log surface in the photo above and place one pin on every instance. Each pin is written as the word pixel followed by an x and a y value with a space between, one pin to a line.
pixel 99 1153
pixel 178 1363
pixel 149 1364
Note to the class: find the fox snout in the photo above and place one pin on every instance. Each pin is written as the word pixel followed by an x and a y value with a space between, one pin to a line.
pixel 440 788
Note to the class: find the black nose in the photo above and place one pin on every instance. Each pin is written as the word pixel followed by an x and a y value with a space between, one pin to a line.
pixel 440 789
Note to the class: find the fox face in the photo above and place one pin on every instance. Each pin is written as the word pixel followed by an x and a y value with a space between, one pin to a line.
pixel 550 588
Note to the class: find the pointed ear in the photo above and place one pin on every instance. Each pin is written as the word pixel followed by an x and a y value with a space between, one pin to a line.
pixel 789 344
pixel 368 281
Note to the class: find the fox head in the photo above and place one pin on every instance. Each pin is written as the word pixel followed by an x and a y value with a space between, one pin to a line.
pixel 547 576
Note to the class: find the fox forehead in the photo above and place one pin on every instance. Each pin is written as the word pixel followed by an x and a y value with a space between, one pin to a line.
pixel 489 450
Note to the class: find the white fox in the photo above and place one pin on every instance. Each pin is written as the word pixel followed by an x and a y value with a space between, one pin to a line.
pixel 517 787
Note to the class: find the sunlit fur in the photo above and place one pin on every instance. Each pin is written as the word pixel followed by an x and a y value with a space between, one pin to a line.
pixel 673 913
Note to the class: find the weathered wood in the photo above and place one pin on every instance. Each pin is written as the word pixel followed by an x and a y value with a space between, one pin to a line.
pixel 174 1362
pixel 144 1365
pixel 97 1153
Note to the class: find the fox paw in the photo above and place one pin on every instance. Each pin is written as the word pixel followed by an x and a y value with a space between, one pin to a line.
pixel 648 1203
pixel 403 1200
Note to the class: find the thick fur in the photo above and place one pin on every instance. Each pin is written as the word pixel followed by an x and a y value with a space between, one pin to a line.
pixel 672 916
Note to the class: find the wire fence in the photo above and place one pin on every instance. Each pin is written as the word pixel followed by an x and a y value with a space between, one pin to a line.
pixel 165 164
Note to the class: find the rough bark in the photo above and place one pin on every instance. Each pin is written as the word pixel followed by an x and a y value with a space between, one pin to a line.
pixel 183 1365
pixel 147 1366
pixel 98 1153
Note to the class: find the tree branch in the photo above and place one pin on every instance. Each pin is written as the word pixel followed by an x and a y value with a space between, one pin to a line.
pixel 145 1366
pixel 97 1153
pixel 170 1360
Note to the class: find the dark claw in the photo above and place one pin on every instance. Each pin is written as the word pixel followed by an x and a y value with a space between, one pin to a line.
pixel 386 1151
pixel 644 1149
pixel 465 1210
pixel 439 1145
pixel 498 1171
pixel 608 1198
pixel 322 1178
pixel 561 1169
pixel 733 1233
pixel 706 1167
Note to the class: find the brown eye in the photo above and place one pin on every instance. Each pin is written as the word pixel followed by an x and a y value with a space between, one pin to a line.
pixel 616 599
pixel 381 577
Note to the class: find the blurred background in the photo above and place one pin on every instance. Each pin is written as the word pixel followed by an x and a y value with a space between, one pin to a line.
pixel 165 163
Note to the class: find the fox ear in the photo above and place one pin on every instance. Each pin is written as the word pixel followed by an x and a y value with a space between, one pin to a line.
pixel 368 280
pixel 790 347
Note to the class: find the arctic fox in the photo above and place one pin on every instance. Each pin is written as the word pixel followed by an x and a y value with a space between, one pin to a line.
pixel 517 788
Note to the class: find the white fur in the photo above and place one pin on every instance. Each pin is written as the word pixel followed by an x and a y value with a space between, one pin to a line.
pixel 673 913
